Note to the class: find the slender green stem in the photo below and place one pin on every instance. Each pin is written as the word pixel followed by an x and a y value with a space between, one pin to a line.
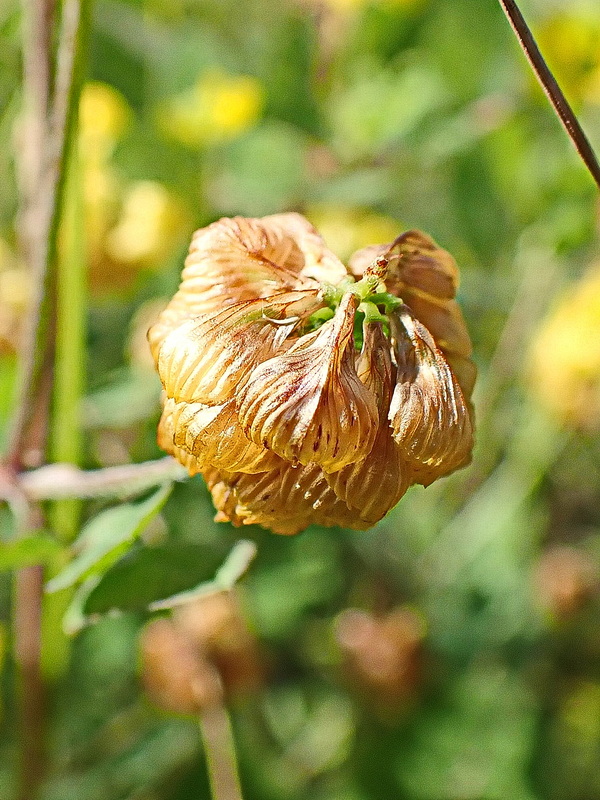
pixel 371 312
pixel 66 441
pixel 219 748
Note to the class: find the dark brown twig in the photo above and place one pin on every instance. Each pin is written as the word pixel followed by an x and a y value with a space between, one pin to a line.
pixel 37 63
pixel 551 88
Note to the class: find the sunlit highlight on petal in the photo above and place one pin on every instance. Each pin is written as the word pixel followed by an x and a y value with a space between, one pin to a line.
pixel 204 360
pixel 308 404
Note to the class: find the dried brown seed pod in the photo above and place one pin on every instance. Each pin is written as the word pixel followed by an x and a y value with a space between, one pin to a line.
pixel 428 414
pixel 216 626
pixel 564 580
pixel 373 485
pixel 175 675
pixel 206 358
pixel 287 499
pixel 308 404
pixel 212 435
pixel 244 259
pixel 302 396
pixel 383 655
pixel 426 277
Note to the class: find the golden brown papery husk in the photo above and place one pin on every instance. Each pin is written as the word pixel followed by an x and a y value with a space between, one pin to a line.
pixel 428 413
pixel 204 360
pixel 374 366
pixel 244 259
pixel 422 265
pixel 319 262
pixel 290 431
pixel 426 278
pixel 285 500
pixel 308 403
pixel 373 485
pixel 165 436
pixel 212 435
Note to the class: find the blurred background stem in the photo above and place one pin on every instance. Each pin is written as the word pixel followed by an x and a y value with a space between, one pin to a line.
pixel 51 90
pixel 70 346
pixel 219 748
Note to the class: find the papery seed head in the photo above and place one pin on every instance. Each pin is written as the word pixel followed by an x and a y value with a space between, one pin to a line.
pixel 243 259
pixel 286 500
pixel 204 360
pixel 319 262
pixel 428 413
pixel 419 263
pixel 175 674
pixel 308 403
pixel 289 425
pixel 213 436
pixel 373 485
pixel 165 439
pixel 426 277
pixel 374 365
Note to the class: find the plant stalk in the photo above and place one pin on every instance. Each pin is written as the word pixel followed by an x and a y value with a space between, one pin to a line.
pixel 551 88
pixel 43 190
pixel 66 441
pixel 219 748
pixel 47 131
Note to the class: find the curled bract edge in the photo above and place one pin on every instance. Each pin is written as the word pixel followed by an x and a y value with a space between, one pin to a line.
pixel 307 393
pixel 308 405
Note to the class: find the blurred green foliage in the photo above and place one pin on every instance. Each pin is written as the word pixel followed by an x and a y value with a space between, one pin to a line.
pixel 369 117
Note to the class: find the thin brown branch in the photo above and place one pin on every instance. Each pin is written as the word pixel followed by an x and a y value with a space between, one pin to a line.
pixel 551 88
pixel 37 64
pixel 37 70
pixel 29 586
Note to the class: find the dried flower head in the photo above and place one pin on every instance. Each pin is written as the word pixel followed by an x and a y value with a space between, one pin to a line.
pixel 176 675
pixel 305 392
pixel 383 655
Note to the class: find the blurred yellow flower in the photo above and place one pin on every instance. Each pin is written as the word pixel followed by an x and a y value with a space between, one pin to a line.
pixel 564 369
pixel 150 221
pixel 103 118
pixel 128 225
pixel 15 290
pixel 218 107
pixel 101 192
pixel 349 229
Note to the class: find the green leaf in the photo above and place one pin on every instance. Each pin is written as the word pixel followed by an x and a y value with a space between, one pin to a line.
pixel 228 574
pixel 149 574
pixel 107 537
pixel 27 551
